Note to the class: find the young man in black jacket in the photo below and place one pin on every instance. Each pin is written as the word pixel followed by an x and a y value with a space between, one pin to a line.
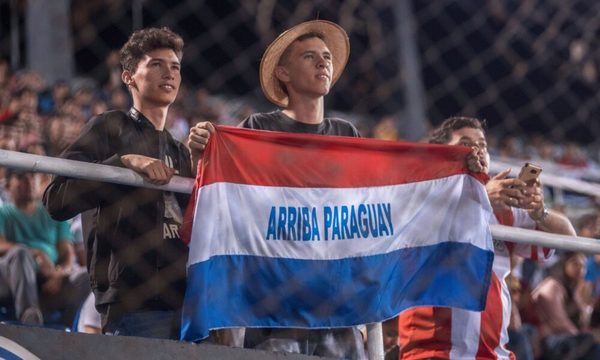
pixel 136 261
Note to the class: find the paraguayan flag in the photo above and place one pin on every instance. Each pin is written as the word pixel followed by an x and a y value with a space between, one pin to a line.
pixel 309 231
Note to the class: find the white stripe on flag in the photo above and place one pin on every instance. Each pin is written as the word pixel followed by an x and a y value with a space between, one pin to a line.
pixel 421 214
pixel 10 350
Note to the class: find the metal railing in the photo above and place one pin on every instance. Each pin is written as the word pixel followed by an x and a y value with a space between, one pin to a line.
pixel 98 172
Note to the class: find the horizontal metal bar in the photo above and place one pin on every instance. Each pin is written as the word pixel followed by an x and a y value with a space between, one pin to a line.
pixel 98 172
pixel 88 171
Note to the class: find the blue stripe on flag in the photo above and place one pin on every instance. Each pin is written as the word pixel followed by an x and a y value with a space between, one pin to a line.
pixel 8 355
pixel 254 291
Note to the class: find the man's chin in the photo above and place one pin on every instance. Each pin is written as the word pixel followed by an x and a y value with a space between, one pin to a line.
pixel 165 101
pixel 324 91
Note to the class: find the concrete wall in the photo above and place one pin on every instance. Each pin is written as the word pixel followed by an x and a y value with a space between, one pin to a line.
pixel 50 344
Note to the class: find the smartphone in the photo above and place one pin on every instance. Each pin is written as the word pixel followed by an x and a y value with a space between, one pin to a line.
pixel 529 173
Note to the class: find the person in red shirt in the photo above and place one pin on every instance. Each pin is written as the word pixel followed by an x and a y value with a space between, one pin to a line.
pixel 448 333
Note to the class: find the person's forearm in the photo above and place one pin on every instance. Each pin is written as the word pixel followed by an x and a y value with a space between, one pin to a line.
pixel 194 160
pixel 66 255
pixel 46 266
pixel 556 223
pixel 5 247
pixel 64 198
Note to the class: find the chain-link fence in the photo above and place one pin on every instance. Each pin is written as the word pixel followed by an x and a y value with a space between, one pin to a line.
pixel 528 67
pixel 225 41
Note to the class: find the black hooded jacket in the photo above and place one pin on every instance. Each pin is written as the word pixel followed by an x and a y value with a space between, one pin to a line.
pixel 133 266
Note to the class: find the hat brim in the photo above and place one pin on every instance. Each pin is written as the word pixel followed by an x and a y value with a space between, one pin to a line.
pixel 334 37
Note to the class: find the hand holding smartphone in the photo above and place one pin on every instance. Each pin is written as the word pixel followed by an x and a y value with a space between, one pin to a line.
pixel 530 173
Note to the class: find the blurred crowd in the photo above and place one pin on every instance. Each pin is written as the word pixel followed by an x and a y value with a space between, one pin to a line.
pixel 44 118
pixel 554 299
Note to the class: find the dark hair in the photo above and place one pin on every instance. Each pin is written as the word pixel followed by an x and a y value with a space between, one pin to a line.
pixel 587 221
pixel 143 41
pixel 286 53
pixel 443 133
pixel 557 270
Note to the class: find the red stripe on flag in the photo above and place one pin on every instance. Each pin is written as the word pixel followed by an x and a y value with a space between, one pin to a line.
pixel 270 158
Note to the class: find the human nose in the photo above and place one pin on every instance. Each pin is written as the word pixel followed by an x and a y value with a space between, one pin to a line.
pixel 322 62
pixel 169 73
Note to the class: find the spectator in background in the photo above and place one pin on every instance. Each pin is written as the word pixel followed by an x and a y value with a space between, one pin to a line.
pixel 112 81
pixel 61 91
pixel 4 73
pixel 385 129
pixel 28 79
pixel 433 332
pixel 177 124
pixel 60 132
pixel 72 110
pixel 595 322
pixel 98 107
pixel 523 339
pixel 544 152
pixel 573 156
pixel 83 97
pixel 589 226
pixel 9 107
pixel 208 105
pixel 32 245
pixel 119 100
pixel 136 260
pixel 509 147
pixel 196 118
pixel 563 311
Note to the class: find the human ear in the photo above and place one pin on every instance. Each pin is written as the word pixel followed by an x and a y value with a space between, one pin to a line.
pixel 282 74
pixel 127 78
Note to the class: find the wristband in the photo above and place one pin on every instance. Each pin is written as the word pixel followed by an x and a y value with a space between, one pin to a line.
pixel 542 218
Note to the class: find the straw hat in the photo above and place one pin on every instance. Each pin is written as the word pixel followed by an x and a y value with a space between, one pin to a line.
pixel 335 38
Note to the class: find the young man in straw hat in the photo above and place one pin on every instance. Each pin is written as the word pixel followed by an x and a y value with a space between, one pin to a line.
pixel 297 70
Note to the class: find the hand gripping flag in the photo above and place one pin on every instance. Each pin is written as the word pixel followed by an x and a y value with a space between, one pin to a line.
pixel 309 231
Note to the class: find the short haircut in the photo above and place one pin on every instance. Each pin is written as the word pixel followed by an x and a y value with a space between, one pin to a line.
pixel 443 133
pixel 285 55
pixel 146 40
